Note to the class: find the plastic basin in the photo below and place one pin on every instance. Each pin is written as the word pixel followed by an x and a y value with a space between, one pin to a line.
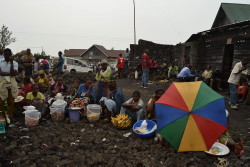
pixel 150 123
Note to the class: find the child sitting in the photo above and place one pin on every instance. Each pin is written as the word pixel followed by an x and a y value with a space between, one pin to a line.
pixel 134 107
pixel 242 89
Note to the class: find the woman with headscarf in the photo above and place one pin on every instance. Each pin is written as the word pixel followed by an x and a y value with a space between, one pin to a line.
pixel 103 77
pixel 42 78
pixel 59 87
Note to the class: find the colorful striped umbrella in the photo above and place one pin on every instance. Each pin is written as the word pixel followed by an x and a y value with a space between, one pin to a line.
pixel 191 116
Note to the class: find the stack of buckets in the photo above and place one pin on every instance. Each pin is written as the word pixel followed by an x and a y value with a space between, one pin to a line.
pixel 32 116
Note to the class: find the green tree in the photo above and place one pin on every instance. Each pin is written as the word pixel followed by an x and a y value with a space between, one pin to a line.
pixel 5 37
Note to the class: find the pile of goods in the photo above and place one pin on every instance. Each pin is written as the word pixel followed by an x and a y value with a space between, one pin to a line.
pixel 81 103
pixel 92 117
pixel 31 121
pixel 121 121
pixel 57 114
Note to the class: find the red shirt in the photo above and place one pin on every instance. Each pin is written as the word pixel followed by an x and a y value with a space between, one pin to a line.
pixel 44 62
pixel 120 62
pixel 145 59
pixel 27 88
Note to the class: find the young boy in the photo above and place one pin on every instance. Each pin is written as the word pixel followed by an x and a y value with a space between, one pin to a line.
pixel 134 107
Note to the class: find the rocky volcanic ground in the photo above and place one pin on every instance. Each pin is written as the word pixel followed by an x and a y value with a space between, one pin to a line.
pixel 83 143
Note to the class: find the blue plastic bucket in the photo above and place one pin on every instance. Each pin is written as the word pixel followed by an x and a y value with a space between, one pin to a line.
pixel 74 114
pixel 150 123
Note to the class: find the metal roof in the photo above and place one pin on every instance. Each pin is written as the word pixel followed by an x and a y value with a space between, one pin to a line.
pixel 236 12
pixel 231 13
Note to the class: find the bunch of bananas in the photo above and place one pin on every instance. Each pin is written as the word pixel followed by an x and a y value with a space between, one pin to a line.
pixel 121 121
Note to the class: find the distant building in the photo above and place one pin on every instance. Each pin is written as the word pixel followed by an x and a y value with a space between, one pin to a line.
pixel 225 44
pixel 94 54
pixel 74 53
pixel 97 52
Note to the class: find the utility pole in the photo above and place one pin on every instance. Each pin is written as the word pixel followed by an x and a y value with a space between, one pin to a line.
pixel 134 24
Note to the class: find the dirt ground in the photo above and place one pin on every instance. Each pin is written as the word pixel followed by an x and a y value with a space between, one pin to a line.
pixel 69 143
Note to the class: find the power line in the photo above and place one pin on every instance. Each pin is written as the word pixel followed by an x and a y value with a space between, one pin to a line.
pixel 70 35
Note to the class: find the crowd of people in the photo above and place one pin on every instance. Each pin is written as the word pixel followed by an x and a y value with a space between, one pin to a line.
pixel 37 87
pixel 38 90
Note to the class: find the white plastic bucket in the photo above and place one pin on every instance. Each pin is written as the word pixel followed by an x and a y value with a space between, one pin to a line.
pixel 32 117
pixel 59 104
pixel 93 112
pixel 57 114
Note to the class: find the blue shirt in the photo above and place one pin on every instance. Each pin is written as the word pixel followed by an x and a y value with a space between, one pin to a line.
pixel 82 92
pixel 118 97
pixel 60 64
pixel 185 72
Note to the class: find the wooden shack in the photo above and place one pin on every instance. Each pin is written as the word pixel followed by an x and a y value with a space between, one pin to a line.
pixel 227 42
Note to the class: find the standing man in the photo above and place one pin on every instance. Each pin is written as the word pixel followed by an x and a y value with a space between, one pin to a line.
pixel 233 81
pixel 185 74
pixel 145 69
pixel 126 56
pixel 27 63
pixel 8 84
pixel 60 63
pixel 120 65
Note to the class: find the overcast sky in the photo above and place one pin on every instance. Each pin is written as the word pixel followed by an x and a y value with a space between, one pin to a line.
pixel 78 24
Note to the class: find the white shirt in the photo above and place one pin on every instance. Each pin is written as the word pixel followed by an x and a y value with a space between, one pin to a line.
pixel 140 103
pixel 235 75
pixel 5 67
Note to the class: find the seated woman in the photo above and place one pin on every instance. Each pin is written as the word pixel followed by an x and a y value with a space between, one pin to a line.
pixel 116 95
pixel 42 88
pixel 76 85
pixel 86 90
pixel 51 80
pixel 242 89
pixel 27 86
pixel 59 87
pixel 42 79
pixel 108 108
pixel 134 107
pixel 36 99
pixel 207 75
pixel 150 108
